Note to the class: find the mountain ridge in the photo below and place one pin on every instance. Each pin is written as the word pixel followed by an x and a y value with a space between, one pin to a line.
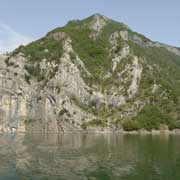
pixel 91 73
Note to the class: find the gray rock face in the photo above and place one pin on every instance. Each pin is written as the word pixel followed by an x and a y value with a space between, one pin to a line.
pixel 51 104
pixel 98 22
pixel 18 100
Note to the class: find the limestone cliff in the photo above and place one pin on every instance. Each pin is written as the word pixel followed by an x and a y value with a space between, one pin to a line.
pixel 88 74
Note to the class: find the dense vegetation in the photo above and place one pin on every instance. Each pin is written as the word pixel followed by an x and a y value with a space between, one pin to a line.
pixel 44 49
pixel 150 117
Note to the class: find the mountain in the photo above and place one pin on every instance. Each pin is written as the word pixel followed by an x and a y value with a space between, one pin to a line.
pixel 91 74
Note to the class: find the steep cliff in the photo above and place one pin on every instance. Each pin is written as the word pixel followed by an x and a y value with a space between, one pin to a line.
pixel 93 73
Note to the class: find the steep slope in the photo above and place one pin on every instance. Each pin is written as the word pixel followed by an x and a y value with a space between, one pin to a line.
pixel 89 74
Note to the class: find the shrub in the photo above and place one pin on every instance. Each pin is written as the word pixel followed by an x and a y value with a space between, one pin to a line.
pixel 97 122
pixel 27 78
pixel 131 125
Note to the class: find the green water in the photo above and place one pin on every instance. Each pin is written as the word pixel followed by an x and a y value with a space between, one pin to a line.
pixel 89 157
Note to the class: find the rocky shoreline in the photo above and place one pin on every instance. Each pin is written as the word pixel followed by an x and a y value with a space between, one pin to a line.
pixel 102 130
pixel 135 132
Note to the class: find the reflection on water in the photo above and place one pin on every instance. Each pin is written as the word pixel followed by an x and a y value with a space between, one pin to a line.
pixel 89 157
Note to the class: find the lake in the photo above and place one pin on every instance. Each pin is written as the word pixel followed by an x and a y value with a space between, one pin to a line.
pixel 33 156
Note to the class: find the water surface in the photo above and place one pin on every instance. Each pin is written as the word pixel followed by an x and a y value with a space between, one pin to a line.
pixel 89 157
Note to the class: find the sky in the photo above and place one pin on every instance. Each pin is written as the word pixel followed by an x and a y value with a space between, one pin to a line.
pixel 22 21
